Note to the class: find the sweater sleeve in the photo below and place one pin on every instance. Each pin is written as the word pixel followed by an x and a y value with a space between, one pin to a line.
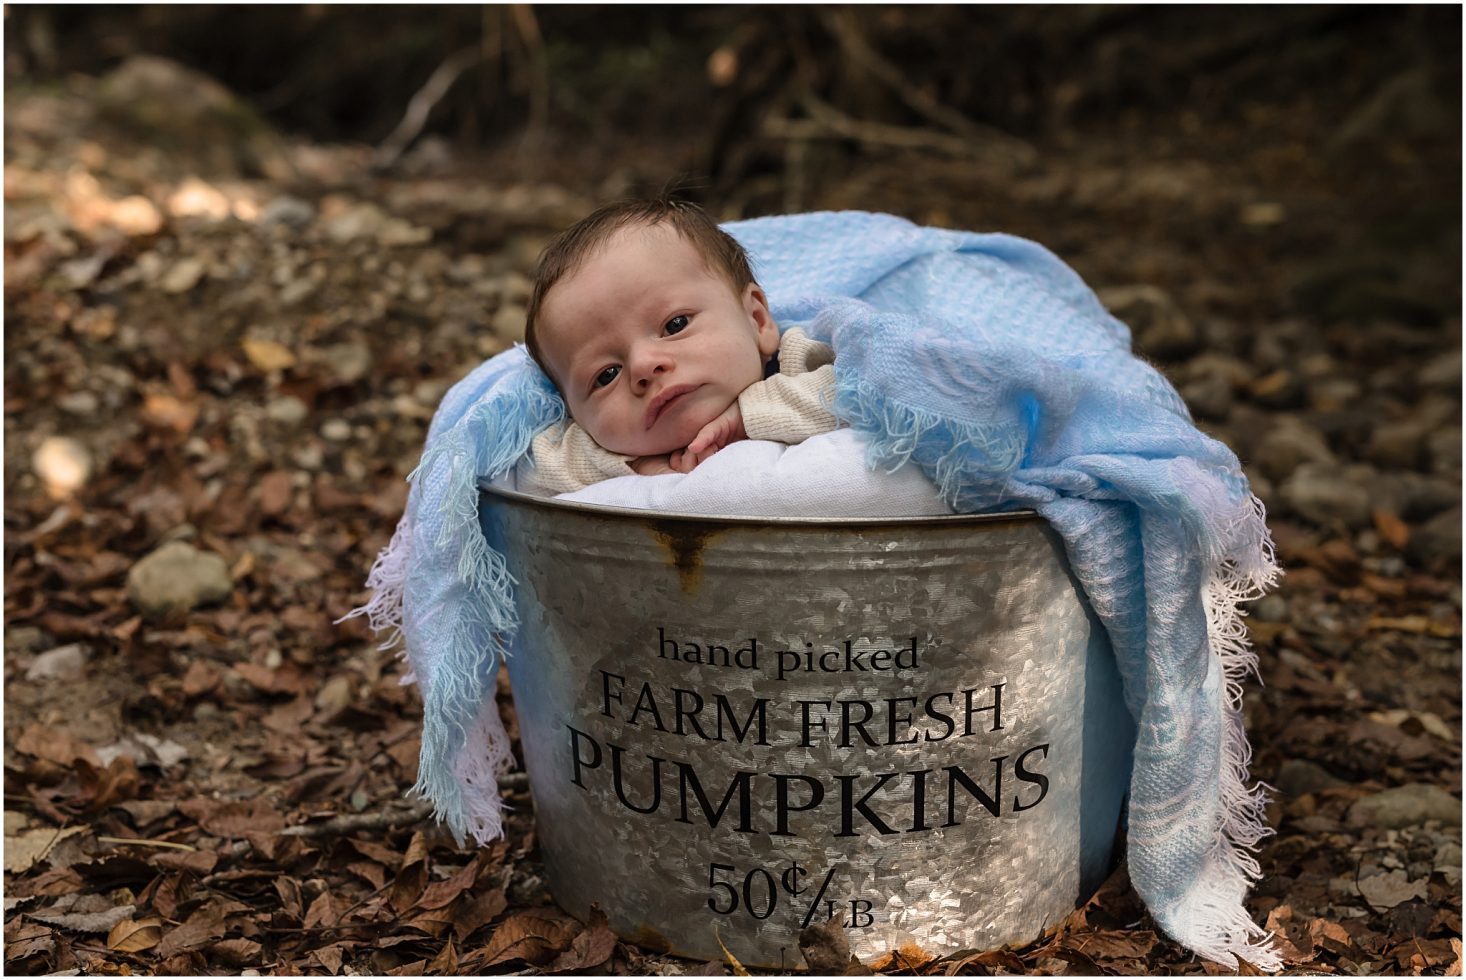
pixel 564 459
pixel 794 404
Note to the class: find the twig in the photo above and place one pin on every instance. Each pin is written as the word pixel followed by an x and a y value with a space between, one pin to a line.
pixel 827 122
pixel 144 842
pixel 421 105
pixel 539 75
pixel 351 822
pixel 866 57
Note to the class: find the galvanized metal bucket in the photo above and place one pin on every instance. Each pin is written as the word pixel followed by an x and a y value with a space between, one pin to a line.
pixel 737 727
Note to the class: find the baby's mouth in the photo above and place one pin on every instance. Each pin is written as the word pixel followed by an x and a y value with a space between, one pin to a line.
pixel 664 399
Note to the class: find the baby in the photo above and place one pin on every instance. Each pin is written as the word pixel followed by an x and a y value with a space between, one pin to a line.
pixel 647 318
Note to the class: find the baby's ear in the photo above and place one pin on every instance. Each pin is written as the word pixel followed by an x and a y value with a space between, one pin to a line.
pixel 756 305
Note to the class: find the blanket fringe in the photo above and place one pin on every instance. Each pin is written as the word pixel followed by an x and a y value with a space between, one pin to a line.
pixel 1211 918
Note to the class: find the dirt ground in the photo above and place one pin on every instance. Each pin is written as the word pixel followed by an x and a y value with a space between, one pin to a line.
pixel 234 341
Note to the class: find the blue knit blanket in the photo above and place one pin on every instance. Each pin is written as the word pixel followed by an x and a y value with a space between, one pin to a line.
pixel 986 362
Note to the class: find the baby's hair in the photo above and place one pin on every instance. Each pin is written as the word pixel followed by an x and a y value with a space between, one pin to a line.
pixel 567 250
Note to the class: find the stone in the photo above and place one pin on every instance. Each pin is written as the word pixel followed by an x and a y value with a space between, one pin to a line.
pixel 1288 444
pixel 1270 609
pixel 336 430
pixel 508 322
pixel 1162 330
pixel 1406 806
pixel 66 663
pixel 291 212
pixel 183 276
pixel 63 464
pixel 1443 446
pixel 1324 495
pixel 1398 445
pixel 82 403
pixel 176 578
pixel 287 410
pixel 1437 540
pixel 1299 776
pixel 349 362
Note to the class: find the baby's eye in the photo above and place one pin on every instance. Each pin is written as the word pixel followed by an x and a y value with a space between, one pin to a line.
pixel 677 324
pixel 606 376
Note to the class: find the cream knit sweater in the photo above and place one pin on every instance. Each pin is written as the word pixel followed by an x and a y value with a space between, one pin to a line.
pixel 789 407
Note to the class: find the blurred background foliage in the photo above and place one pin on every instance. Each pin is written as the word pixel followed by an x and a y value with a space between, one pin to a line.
pixel 723 90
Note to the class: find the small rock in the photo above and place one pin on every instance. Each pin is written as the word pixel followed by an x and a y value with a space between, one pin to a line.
pixel 66 663
pixel 1323 495
pixel 176 578
pixel 1443 371
pixel 1289 443
pixel 349 362
pixel 356 221
pixel 1271 609
pixel 79 403
pixel 335 694
pixel 197 199
pixel 289 211
pixel 336 430
pixel 309 457
pixel 1406 806
pixel 23 639
pixel 1437 540
pixel 1298 776
pixel 63 464
pixel 184 275
pixel 287 410
pixel 1444 449
pixel 1278 389
pixel 1398 445
pixel 1162 331
pixel 508 322
pixel 1448 858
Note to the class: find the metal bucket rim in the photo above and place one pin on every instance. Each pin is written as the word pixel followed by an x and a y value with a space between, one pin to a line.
pixel 608 511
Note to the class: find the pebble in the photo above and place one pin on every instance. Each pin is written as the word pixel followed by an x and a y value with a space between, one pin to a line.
pixel 309 457
pixel 1324 495
pixel 336 430
pixel 1271 609
pixel 1444 448
pixel 335 694
pixel 79 403
pixel 508 322
pixel 23 639
pixel 66 663
pixel 1162 330
pixel 1289 443
pixel 1406 806
pixel 1299 776
pixel 1438 539
pixel 287 410
pixel 349 362
pixel 183 276
pixel 63 464
pixel 1398 445
pixel 289 211
pixel 176 578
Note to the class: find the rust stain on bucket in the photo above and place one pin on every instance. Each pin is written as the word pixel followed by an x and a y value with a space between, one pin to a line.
pixel 685 541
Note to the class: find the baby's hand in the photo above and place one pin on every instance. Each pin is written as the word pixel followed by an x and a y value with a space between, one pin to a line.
pixel 726 428
pixel 653 465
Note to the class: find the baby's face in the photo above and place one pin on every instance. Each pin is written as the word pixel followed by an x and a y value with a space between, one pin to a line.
pixel 648 344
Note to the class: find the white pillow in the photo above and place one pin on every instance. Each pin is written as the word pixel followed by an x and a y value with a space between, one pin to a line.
pixel 824 476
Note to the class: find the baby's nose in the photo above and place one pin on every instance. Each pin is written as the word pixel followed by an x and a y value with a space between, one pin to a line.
pixel 649 364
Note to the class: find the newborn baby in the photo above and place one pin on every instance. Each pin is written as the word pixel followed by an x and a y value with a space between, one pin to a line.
pixel 647 318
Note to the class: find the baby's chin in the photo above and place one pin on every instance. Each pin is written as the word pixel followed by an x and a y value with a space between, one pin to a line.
pixel 669 435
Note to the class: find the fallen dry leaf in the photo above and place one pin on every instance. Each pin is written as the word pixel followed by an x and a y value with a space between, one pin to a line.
pixel 536 937
pixel 268 355
pixel 135 935
pixel 24 850
pixel 592 948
